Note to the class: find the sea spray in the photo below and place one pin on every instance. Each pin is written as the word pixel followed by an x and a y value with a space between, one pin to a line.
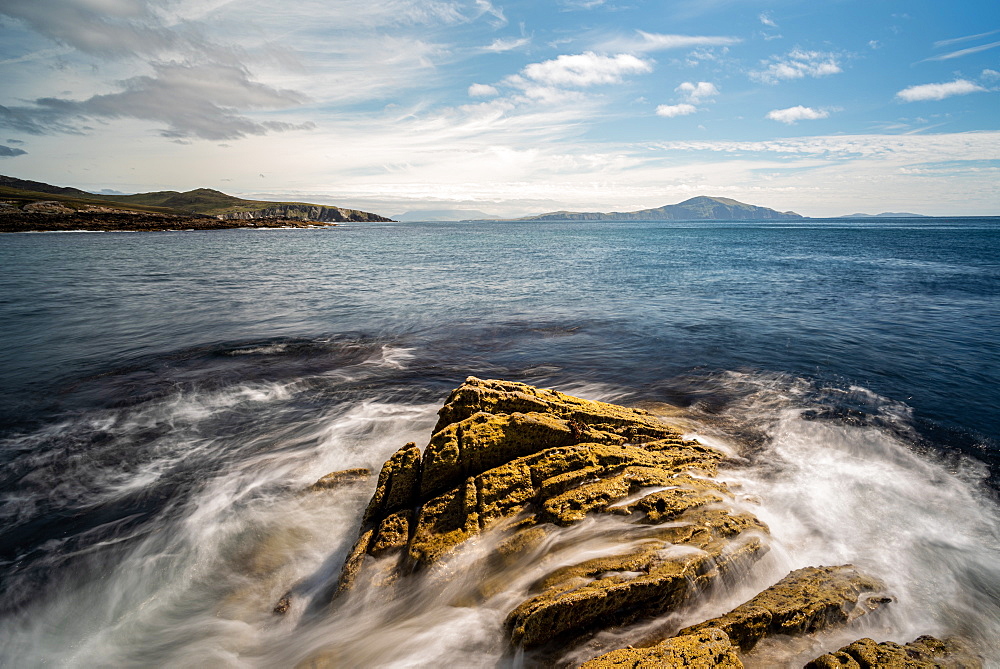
pixel 195 580
pixel 838 484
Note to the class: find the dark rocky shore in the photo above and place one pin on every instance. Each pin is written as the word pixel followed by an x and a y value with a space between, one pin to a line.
pixel 521 462
pixel 121 221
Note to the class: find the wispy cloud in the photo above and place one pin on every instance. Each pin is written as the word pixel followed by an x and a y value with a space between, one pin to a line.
pixel 672 111
pixel 501 45
pixel 796 65
pixel 766 19
pixel 791 115
pixel 586 69
pixel 644 42
pixel 924 92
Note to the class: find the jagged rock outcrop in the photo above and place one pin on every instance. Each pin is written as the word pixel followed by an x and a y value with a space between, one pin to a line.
pixel 304 212
pixel 530 460
pixel 923 653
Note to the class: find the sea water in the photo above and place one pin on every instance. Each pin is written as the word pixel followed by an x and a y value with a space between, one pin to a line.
pixel 166 398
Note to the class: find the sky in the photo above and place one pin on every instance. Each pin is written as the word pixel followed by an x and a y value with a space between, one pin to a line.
pixel 511 108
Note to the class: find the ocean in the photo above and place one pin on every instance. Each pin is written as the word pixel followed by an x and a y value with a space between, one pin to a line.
pixel 166 398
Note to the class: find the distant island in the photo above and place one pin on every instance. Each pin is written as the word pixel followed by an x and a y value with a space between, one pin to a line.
pixel 36 206
pixel 700 208
pixel 885 214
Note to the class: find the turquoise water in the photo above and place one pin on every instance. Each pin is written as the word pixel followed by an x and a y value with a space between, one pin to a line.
pixel 163 392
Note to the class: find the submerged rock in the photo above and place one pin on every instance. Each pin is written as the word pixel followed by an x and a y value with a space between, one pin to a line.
pixel 509 454
pixel 340 478
pixel 923 653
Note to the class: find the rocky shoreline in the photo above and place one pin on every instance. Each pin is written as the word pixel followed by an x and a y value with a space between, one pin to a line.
pixel 517 463
pixel 122 221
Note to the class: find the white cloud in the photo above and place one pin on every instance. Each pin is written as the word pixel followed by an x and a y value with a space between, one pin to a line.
pixel 938 91
pixel 501 45
pixel 797 113
pixel 644 42
pixel 796 65
pixel 990 74
pixel 695 93
pixel 671 111
pixel 767 20
pixel 586 69
pixel 483 91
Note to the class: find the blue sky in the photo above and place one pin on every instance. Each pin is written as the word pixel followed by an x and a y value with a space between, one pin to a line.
pixel 511 108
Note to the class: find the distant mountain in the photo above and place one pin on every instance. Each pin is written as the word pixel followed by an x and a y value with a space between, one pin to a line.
pixel 885 214
pixel 443 215
pixel 697 208
pixel 201 201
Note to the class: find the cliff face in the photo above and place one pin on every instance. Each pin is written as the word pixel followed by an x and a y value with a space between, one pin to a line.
pixel 305 213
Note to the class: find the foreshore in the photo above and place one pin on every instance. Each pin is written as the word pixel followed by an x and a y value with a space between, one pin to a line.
pixel 138 222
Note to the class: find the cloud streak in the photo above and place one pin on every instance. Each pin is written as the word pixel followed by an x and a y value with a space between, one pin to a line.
pixel 965 52
pixel 644 42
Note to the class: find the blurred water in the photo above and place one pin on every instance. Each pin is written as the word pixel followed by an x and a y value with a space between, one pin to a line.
pixel 165 398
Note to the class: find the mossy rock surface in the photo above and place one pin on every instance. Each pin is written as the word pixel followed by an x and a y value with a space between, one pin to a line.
pixel 532 460
pixel 923 653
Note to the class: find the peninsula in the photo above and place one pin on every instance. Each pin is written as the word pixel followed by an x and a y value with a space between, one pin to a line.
pixel 36 206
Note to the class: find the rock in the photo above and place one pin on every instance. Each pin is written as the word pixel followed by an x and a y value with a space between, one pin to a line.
pixel 922 653
pixel 531 460
pixel 340 478
pixel 705 649
pixel 805 601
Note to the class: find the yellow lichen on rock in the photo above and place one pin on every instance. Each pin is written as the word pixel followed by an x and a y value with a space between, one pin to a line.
pixel 926 652
pixel 707 649
pixel 805 601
